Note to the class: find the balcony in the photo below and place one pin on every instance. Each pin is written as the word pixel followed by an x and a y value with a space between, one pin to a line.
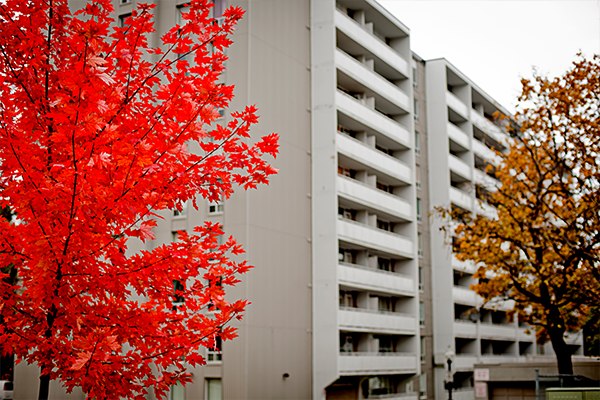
pixel 457 135
pixel 465 266
pixel 367 40
pixel 374 159
pixel 377 363
pixel 485 209
pixel 498 358
pixel 465 362
pixel 362 320
pixel 373 238
pixel 460 167
pixel 462 295
pixel 460 198
pixel 372 83
pixel 374 279
pixel 466 329
pixel 463 394
pixel 485 180
pixel 457 105
pixel 484 152
pixel 487 126
pixel 373 119
pixel 395 396
pixel 372 198
pixel 497 331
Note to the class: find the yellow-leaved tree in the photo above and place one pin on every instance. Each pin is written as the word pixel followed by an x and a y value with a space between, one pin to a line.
pixel 542 248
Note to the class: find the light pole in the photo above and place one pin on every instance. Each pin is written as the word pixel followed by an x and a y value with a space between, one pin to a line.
pixel 449 382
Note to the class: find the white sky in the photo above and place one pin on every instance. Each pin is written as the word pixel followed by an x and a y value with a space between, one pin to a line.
pixel 496 42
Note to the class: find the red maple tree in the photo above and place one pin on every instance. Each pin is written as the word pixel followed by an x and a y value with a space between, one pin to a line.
pixel 94 132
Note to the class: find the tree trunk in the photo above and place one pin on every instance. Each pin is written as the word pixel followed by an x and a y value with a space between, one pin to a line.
pixel 44 387
pixel 562 351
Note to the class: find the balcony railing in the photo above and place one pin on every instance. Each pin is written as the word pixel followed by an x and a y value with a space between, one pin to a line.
pixel 373 119
pixel 457 105
pixel 365 320
pixel 368 40
pixel 373 363
pixel 375 279
pixel 373 198
pixel 374 159
pixel 374 238
pixel 372 81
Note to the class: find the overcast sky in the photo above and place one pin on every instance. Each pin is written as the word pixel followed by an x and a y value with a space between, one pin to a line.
pixel 496 42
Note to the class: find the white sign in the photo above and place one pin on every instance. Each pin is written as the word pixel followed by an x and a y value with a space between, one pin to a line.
pixel 482 374
pixel 481 390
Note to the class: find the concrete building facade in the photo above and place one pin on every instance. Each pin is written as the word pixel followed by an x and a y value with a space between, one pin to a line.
pixel 356 294
pixel 462 133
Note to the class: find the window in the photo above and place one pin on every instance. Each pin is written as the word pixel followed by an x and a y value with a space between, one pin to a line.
pixel 415 76
pixel 418 209
pixel 417 143
pixel 420 242
pixel 214 354
pixel 213 389
pixel 346 343
pixel 178 290
pixel 416 109
pixel 420 279
pixel 124 20
pixel 175 235
pixel 409 387
pixel 417 175
pixel 421 314
pixel 423 385
pixel 348 299
pixel 385 344
pixel 384 304
pixel 177 392
pixel 215 207
pixel 380 385
pixel 422 346
pixel 182 212
pixel 384 264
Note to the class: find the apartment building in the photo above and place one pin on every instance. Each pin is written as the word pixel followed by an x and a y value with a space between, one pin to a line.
pixel 462 133
pixel 365 248
pixel 356 294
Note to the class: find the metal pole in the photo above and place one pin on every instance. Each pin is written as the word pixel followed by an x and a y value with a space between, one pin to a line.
pixel 537 384
pixel 452 381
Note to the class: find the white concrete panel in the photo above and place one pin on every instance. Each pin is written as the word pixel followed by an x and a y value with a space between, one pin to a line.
pixel 485 180
pixel 463 394
pixel 495 331
pixel 457 135
pixel 369 196
pixel 371 118
pixel 466 266
pixel 466 296
pixel 369 41
pixel 460 167
pixel 361 320
pixel 372 80
pixel 465 329
pixel 464 362
pixel 460 198
pixel 373 363
pixel 373 158
pixel 484 152
pixel 377 280
pixel 487 126
pixel 374 238
pixel 455 104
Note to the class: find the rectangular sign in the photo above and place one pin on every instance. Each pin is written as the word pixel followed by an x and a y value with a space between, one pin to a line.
pixel 481 390
pixel 481 374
